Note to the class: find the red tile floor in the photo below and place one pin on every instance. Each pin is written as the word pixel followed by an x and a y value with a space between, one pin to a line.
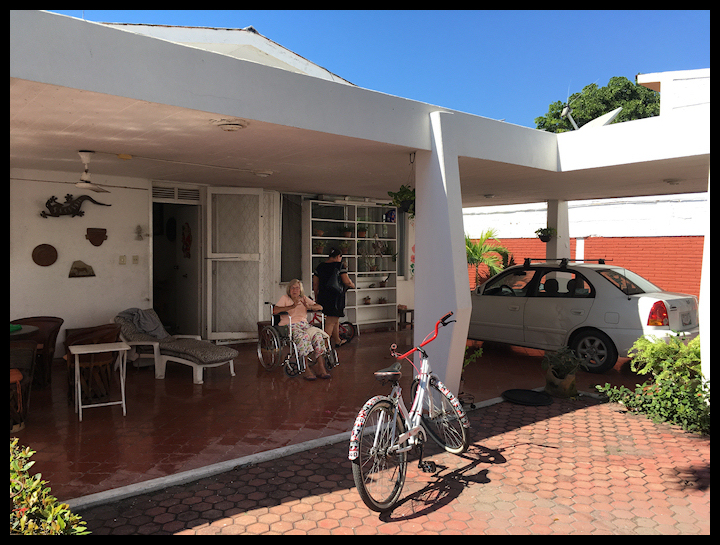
pixel 173 425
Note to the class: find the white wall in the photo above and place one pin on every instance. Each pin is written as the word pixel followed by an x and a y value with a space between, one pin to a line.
pixel 47 291
pixel 663 215
pixel 680 90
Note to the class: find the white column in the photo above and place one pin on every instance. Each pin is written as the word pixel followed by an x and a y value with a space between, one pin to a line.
pixel 441 283
pixel 579 248
pixel 704 302
pixel 557 217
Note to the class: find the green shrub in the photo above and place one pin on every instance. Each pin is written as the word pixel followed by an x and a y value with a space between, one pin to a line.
pixel 33 511
pixel 677 392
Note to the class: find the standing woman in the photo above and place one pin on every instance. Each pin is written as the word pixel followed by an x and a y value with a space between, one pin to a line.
pixel 329 284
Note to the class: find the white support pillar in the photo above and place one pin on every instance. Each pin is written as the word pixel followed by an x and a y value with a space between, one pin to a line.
pixel 704 303
pixel 557 218
pixel 441 283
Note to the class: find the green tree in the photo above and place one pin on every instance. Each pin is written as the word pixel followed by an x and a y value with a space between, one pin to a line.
pixel 637 102
pixel 484 252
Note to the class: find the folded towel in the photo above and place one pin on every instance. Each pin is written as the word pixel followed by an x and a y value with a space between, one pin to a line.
pixel 146 321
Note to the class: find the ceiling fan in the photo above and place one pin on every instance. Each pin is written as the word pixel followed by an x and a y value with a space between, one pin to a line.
pixel 85 182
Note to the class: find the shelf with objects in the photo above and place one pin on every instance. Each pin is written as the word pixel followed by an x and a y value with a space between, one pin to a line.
pixel 366 234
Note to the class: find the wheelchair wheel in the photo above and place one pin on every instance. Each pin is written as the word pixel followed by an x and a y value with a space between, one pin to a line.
pixel 331 357
pixel 294 364
pixel 292 367
pixel 268 349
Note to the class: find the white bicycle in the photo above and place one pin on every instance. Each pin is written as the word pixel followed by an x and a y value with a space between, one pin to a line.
pixel 385 431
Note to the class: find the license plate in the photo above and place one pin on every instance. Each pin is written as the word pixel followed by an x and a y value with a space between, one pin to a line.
pixel 686 318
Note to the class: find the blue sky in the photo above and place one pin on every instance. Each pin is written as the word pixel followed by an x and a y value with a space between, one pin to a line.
pixel 499 64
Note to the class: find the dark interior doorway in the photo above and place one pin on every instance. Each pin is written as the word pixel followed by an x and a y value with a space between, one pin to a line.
pixel 177 278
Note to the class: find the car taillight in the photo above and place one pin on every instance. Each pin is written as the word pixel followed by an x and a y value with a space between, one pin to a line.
pixel 658 314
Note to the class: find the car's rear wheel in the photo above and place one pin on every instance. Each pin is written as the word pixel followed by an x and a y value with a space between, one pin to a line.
pixel 596 349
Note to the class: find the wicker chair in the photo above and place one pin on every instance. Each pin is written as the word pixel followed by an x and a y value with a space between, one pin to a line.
pixel 45 337
pixel 22 364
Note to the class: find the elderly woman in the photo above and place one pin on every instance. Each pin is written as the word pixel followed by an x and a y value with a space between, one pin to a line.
pixel 308 339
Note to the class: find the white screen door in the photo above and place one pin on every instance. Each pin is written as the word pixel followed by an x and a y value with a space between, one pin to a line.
pixel 234 296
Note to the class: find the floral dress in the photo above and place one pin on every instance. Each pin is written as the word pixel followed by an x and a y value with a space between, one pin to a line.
pixel 306 337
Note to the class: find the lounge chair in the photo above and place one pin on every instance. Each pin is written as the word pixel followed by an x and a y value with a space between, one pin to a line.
pixel 143 331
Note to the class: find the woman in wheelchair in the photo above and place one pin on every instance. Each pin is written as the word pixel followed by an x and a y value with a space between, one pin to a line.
pixel 308 339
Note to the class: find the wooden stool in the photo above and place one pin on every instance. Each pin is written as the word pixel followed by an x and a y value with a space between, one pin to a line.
pixel 403 312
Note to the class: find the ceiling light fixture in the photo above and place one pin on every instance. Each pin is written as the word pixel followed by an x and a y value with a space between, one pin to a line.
pixel 230 125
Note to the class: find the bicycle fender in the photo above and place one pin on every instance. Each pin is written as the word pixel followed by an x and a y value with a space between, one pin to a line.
pixel 359 422
pixel 453 401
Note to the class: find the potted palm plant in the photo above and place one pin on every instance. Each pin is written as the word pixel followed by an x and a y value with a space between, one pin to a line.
pixel 560 369
pixel 484 252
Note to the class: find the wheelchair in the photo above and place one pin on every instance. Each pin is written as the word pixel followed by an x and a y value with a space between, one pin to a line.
pixel 275 346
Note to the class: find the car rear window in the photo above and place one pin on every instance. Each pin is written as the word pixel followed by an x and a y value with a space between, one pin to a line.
pixel 628 282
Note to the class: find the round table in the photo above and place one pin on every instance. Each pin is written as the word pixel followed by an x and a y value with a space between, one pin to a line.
pixel 24 332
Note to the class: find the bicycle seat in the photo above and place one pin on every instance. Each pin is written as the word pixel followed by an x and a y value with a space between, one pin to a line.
pixel 393 373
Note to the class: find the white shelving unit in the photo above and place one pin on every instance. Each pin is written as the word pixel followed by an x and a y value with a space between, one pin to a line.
pixel 367 236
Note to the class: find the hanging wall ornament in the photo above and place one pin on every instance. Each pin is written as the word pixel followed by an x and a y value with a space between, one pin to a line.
pixel 186 239
pixel 44 255
pixel 96 235
pixel 80 270
pixel 71 207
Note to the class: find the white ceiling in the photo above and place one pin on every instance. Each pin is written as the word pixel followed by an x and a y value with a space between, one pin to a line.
pixel 49 124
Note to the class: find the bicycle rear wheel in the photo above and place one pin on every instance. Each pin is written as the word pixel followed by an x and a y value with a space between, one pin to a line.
pixel 443 417
pixel 380 476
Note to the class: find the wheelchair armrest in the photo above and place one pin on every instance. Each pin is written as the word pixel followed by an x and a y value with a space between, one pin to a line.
pixel 275 319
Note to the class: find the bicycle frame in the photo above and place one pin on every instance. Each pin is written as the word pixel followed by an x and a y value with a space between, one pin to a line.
pixel 413 417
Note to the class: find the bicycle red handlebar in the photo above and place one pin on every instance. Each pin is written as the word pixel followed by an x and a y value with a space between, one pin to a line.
pixel 426 341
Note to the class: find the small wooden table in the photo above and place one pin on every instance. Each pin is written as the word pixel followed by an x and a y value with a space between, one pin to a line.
pixel 403 312
pixel 79 349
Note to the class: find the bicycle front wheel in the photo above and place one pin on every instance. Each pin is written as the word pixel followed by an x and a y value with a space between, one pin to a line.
pixel 443 417
pixel 378 472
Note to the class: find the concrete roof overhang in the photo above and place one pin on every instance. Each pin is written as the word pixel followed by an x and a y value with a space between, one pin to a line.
pixel 78 85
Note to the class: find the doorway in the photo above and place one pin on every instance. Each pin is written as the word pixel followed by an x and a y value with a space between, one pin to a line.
pixel 177 279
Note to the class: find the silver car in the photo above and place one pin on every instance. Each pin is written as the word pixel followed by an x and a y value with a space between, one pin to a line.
pixel 597 310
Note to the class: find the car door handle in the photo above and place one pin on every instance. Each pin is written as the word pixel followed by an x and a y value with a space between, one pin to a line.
pixel 577 312
pixel 514 307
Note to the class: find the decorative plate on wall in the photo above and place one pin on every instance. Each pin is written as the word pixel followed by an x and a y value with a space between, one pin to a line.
pixel 44 255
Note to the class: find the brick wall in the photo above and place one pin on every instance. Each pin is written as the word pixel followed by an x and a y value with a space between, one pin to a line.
pixel 672 263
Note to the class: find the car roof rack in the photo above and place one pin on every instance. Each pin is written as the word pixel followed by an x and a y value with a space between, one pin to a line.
pixel 563 260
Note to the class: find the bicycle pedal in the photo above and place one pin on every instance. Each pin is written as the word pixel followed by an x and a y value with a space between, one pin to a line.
pixel 428 467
